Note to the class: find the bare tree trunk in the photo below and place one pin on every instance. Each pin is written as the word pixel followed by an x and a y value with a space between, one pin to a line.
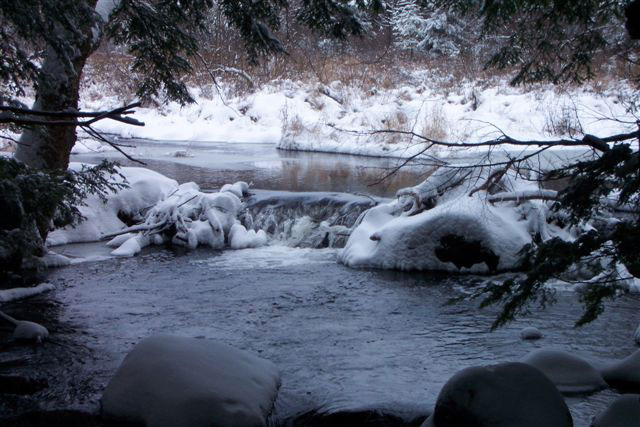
pixel 58 90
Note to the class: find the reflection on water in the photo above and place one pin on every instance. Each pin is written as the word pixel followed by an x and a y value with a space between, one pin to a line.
pixel 215 164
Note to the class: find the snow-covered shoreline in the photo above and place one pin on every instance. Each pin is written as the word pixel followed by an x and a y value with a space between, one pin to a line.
pixel 337 118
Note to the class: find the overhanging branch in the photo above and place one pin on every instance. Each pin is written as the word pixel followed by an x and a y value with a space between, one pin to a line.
pixel 28 117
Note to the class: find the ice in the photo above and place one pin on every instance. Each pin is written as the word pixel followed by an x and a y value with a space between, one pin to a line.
pixel 568 372
pixel 176 381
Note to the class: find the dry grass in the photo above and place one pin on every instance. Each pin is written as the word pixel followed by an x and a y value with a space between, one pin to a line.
pixel 562 120
pixel 435 124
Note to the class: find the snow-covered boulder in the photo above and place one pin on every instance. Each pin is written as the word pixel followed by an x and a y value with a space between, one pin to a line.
pixel 623 412
pixel 176 381
pixel 530 333
pixel 503 395
pixel 624 374
pixel 568 372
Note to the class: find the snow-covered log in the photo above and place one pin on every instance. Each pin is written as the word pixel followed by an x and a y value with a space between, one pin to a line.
pixel 447 223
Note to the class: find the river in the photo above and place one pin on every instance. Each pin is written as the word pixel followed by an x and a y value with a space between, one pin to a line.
pixel 344 339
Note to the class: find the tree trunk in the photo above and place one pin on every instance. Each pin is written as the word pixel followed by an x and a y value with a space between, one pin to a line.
pixel 58 88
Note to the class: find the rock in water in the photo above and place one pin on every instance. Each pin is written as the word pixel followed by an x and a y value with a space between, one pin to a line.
pixel 569 373
pixel 623 412
pixel 624 374
pixel 504 395
pixel 530 333
pixel 176 381
pixel 30 331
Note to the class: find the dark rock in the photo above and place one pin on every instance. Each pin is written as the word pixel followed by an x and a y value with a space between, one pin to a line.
pixel 623 412
pixel 624 374
pixel 463 253
pixel 10 384
pixel 504 395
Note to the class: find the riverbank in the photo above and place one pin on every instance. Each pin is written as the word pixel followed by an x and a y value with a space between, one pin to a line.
pixel 343 118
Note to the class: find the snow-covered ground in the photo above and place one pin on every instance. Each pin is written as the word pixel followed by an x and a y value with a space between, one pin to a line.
pixel 339 118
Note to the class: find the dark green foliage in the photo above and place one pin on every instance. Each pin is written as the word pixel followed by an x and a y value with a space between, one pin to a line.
pixel 587 197
pixel 30 199
pixel 161 37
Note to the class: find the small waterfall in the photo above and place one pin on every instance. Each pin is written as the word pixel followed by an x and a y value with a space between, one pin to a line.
pixel 306 219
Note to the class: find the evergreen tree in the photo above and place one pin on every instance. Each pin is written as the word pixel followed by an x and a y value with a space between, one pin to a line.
pixel 45 44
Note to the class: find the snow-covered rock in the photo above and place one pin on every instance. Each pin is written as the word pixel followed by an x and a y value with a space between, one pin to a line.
pixel 568 372
pixel 624 374
pixel 176 381
pixel 13 294
pixel 623 412
pixel 530 333
pixel 503 395
pixel 30 331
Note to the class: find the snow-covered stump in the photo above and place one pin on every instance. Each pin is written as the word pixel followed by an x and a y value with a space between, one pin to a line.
pixel 568 372
pixel 503 395
pixel 176 381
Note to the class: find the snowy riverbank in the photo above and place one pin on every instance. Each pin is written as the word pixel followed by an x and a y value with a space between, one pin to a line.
pixel 339 118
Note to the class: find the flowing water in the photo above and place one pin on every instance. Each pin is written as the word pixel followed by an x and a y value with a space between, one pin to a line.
pixel 344 339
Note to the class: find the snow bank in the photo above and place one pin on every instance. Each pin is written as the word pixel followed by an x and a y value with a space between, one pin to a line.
pixel 446 224
pixel 7 295
pixel 299 115
pixel 568 372
pixel 175 381
pixel 504 395
pixel 146 188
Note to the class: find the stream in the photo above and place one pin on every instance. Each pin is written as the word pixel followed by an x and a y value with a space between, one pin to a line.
pixel 344 339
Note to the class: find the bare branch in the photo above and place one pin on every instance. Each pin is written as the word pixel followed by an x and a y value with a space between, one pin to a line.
pixel 27 117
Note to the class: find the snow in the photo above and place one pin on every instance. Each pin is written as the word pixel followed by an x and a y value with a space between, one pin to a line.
pixel 503 395
pixel 176 381
pixel 623 412
pixel 459 230
pixel 7 295
pixel 299 115
pixel 624 374
pixel 146 188
pixel 568 372
pixel 636 335
pixel 530 333
pixel 240 238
